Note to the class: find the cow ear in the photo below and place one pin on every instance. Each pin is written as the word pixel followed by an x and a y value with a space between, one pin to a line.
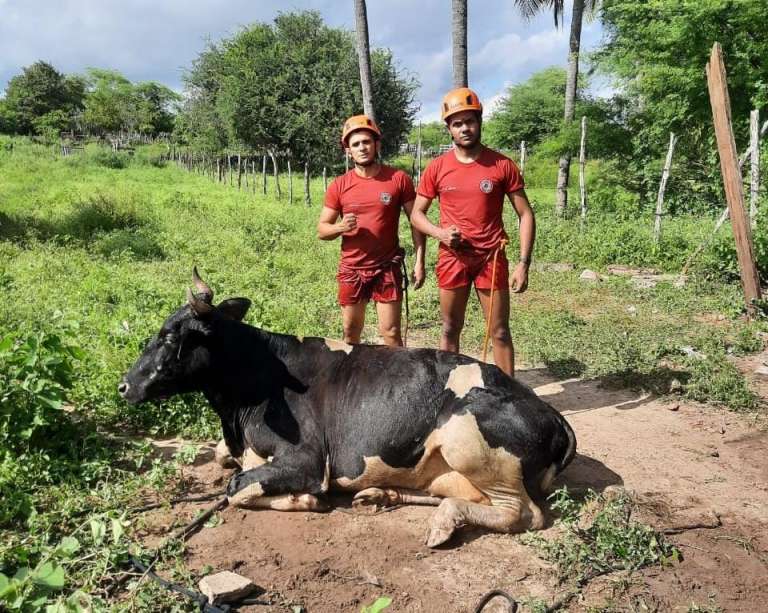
pixel 234 308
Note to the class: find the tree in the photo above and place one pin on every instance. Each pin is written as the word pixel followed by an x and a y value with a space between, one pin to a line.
pixel 532 7
pixel 109 102
pixel 37 91
pixel 155 107
pixel 295 107
pixel 364 58
pixel 459 37
pixel 533 111
pixel 665 90
pixel 433 134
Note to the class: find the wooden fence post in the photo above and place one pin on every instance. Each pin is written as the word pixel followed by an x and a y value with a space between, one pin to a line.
pixel 290 184
pixel 264 174
pixel 346 161
pixel 754 169
pixel 245 172
pixel 582 166
pixel 239 172
pixel 276 174
pixel 325 179
pixel 253 178
pixel 663 187
pixel 732 179
pixel 418 157
pixel 522 157
pixel 307 197
pixel 229 167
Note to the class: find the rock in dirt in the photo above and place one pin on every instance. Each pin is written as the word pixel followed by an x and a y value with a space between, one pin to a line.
pixel 225 587
pixel 589 275
pixel 762 370
pixel 552 267
pixel 673 407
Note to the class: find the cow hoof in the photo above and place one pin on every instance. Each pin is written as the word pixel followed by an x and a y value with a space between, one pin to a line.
pixel 374 497
pixel 438 536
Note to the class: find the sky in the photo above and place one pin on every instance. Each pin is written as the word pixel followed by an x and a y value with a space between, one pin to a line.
pixel 156 40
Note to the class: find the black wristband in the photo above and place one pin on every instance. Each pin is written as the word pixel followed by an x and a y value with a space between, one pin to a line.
pixel 524 260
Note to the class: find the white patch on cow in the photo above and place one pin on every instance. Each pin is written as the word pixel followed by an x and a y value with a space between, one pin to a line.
pixel 248 496
pixel 463 378
pixel 326 475
pixel 250 459
pixel 335 345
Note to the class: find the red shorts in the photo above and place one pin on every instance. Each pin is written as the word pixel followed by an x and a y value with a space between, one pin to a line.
pixel 383 284
pixel 461 268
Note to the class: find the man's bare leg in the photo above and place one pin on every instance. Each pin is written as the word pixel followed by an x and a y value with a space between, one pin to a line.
pixel 453 306
pixel 503 349
pixel 353 319
pixel 389 314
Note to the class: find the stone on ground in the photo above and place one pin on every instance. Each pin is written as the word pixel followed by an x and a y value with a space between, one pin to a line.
pixel 225 587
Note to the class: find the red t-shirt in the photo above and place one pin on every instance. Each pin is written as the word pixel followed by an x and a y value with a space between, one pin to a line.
pixel 377 202
pixel 472 195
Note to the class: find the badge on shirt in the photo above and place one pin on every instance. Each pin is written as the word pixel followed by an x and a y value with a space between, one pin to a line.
pixel 486 186
pixel 385 197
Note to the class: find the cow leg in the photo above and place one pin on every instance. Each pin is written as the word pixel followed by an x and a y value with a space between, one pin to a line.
pixel 283 484
pixel 391 496
pixel 453 513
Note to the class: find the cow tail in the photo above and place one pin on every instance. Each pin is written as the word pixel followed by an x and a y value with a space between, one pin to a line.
pixel 570 451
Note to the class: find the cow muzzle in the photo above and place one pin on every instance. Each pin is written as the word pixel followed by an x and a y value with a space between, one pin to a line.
pixel 123 388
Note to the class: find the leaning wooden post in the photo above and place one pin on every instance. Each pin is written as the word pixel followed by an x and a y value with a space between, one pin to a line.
pixel 663 187
pixel 582 165
pixel 754 168
pixel 307 197
pixel 522 157
pixel 290 184
pixel 264 174
pixel 732 180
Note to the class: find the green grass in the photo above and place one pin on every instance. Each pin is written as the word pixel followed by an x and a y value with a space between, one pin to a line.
pixel 97 249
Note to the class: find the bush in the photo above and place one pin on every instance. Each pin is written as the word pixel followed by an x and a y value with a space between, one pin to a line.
pixel 35 374
pixel 111 159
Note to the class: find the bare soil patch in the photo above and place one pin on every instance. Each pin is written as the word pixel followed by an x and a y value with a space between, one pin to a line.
pixel 685 464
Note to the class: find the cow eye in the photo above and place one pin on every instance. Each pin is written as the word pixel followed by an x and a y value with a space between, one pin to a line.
pixel 159 367
pixel 169 339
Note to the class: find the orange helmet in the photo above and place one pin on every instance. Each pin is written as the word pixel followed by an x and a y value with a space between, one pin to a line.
pixel 460 99
pixel 358 122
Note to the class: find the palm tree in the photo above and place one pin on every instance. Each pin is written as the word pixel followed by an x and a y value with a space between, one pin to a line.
pixel 529 8
pixel 364 57
pixel 459 31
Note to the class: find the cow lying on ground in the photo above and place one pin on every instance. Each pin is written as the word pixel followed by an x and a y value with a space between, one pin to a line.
pixel 394 425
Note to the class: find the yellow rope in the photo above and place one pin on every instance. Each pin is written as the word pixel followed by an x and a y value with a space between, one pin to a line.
pixel 502 245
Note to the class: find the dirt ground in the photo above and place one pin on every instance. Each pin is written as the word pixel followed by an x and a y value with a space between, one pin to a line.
pixel 686 464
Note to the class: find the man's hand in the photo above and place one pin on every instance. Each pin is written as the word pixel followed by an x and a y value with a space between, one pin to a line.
pixel 419 275
pixel 518 282
pixel 348 223
pixel 450 237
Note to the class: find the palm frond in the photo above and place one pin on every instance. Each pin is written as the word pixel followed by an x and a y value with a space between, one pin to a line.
pixel 530 8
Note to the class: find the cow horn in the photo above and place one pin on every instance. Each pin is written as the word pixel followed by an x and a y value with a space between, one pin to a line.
pixel 205 292
pixel 200 307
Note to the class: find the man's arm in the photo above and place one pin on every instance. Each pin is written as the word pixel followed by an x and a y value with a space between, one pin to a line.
pixel 419 220
pixel 518 282
pixel 419 244
pixel 329 228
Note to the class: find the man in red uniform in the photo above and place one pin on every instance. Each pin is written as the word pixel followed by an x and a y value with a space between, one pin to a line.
pixel 368 199
pixel 471 181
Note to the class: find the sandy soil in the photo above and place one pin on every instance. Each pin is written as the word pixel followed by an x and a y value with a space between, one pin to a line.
pixel 685 463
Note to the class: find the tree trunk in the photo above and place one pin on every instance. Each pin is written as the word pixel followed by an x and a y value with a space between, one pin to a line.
pixel 571 86
pixel 582 169
pixel 459 31
pixel 364 57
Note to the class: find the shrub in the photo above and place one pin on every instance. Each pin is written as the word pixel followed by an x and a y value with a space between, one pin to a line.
pixel 111 159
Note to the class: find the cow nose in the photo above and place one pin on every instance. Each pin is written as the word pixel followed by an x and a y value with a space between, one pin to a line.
pixel 122 389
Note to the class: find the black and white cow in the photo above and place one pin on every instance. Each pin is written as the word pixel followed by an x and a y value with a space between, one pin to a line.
pixel 395 425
